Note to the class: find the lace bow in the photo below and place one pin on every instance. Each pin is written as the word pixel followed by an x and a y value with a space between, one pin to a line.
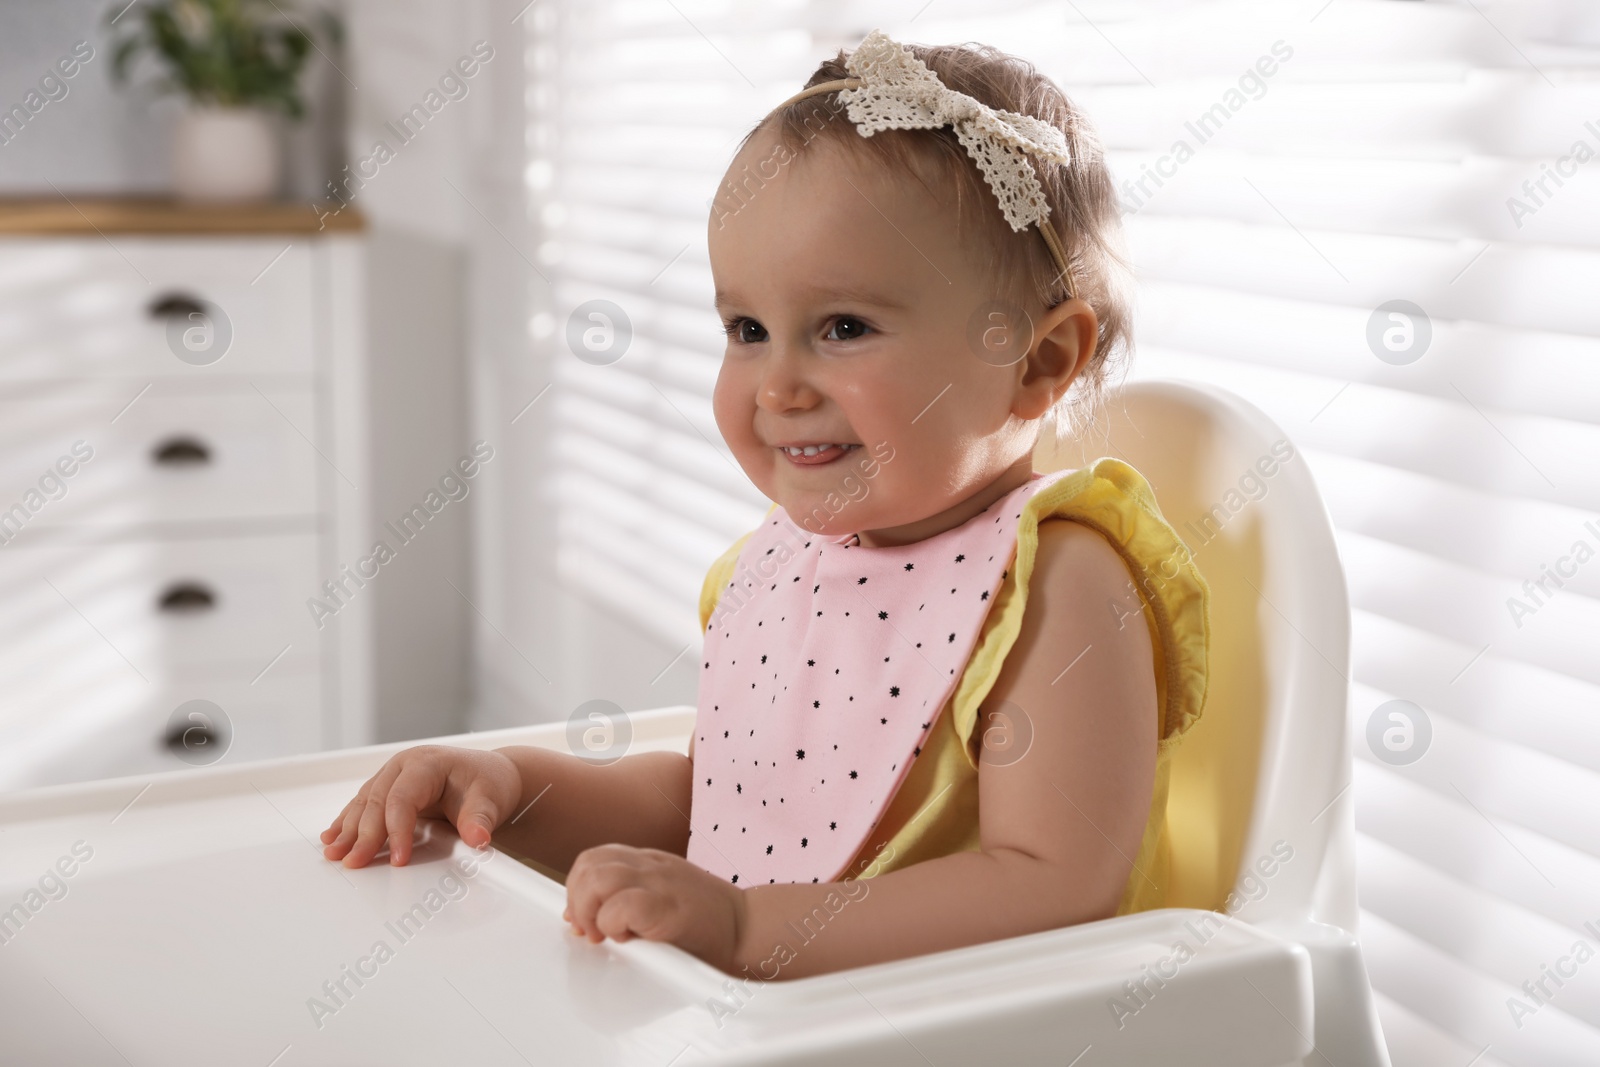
pixel 898 91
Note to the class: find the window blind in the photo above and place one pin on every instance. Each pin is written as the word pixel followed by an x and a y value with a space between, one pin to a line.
pixel 638 108
pixel 1383 158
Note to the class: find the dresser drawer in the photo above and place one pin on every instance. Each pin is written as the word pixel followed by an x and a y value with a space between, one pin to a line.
pixel 72 307
pixel 113 728
pixel 168 456
pixel 148 611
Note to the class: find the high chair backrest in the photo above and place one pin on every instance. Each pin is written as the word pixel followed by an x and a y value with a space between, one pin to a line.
pixel 1269 760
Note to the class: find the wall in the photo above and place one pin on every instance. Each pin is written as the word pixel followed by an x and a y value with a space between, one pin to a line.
pixel 397 54
pixel 101 138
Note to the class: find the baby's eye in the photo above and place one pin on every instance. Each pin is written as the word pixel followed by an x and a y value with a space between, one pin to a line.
pixel 745 331
pixel 847 328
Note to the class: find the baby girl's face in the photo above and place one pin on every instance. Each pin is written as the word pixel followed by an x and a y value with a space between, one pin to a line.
pixel 848 296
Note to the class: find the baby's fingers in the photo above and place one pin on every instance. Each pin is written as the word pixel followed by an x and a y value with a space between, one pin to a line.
pixel 596 875
pixel 370 834
pixel 342 833
pixel 416 788
pixel 340 820
pixel 478 816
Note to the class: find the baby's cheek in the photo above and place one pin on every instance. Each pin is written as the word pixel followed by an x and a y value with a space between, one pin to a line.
pixel 759 464
pixel 735 421
pixel 731 414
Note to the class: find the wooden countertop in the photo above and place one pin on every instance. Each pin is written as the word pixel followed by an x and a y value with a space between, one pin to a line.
pixel 57 216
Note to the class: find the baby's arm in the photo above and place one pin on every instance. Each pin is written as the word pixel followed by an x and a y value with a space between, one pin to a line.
pixel 1060 826
pixel 640 800
pixel 548 806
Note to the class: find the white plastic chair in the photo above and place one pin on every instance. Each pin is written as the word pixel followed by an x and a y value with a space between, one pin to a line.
pixel 230 928
pixel 1270 759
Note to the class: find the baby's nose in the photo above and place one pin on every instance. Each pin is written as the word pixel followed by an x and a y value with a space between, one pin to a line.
pixel 785 384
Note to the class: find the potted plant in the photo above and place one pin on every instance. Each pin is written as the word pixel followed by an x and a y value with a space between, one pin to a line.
pixel 238 62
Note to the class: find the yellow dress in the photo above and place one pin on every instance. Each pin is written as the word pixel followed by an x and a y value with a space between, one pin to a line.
pixel 935 811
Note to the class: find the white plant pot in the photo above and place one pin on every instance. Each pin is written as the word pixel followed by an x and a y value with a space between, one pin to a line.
pixel 226 153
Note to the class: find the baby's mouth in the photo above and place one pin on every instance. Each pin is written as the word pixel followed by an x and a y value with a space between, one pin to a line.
pixel 815 454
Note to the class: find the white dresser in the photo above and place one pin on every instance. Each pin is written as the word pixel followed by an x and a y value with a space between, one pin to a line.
pixel 182 468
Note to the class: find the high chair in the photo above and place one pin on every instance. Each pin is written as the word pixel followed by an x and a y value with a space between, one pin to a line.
pixel 205 927
pixel 1269 761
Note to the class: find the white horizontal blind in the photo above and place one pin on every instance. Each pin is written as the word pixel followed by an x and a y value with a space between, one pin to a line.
pixel 639 107
pixel 1373 163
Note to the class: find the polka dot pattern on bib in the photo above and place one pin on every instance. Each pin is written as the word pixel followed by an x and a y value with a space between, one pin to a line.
pixel 826 663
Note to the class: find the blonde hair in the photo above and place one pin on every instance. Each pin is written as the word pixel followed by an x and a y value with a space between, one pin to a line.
pixel 1083 201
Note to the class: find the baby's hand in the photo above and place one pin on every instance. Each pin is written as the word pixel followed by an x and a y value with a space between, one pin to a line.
pixel 623 892
pixel 476 791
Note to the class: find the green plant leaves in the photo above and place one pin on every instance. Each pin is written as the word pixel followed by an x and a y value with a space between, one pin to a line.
pixel 226 53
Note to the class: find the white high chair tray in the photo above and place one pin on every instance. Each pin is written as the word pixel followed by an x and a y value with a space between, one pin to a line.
pixel 189 918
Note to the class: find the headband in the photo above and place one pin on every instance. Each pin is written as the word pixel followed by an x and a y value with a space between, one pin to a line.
pixel 891 89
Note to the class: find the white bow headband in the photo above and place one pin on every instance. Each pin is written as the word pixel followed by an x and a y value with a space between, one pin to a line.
pixel 891 89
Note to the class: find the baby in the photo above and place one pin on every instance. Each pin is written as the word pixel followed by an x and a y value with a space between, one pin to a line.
pixel 917 264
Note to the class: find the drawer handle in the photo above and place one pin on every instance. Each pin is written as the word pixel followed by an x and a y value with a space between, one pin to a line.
pixel 182 598
pixel 195 737
pixel 179 305
pixel 181 452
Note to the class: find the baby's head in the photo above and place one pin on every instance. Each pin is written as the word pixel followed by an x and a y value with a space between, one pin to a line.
pixel 875 295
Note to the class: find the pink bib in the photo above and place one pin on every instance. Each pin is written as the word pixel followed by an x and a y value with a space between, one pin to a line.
pixel 826 663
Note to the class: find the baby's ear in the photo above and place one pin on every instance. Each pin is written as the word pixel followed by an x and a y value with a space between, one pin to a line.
pixel 1064 340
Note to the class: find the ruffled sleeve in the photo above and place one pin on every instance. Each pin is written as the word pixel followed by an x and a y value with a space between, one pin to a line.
pixel 1112 498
